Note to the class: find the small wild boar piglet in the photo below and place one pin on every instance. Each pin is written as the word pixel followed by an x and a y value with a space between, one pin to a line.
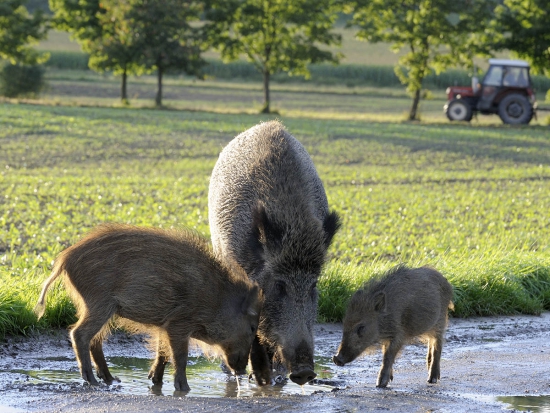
pixel 391 310
pixel 165 283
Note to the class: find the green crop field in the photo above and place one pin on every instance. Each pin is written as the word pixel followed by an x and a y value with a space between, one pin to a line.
pixel 471 201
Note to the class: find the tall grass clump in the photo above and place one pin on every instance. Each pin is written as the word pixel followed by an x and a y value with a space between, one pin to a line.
pixel 483 285
pixel 20 287
pixel 498 283
pixel 15 317
pixel 468 201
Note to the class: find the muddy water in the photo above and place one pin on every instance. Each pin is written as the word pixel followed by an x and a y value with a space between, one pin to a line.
pixel 487 364
pixel 204 376
pixel 535 404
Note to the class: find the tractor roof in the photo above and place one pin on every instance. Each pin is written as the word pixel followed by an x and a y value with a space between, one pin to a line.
pixel 508 62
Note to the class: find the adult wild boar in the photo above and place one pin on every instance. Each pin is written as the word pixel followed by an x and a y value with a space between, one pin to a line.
pixel 269 212
pixel 166 283
pixel 391 310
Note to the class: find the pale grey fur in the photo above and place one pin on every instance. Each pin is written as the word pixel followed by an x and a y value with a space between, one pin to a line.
pixel 266 166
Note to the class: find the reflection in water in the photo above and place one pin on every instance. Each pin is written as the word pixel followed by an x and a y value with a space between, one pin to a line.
pixel 204 377
pixel 535 404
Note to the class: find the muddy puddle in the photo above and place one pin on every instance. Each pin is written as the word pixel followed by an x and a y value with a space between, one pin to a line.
pixel 535 404
pixel 490 364
pixel 204 376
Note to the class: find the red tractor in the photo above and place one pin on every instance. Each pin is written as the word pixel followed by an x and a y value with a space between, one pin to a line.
pixel 506 90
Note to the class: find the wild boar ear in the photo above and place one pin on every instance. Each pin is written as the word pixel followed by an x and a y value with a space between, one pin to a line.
pixel 264 230
pixel 254 246
pixel 250 302
pixel 331 224
pixel 380 301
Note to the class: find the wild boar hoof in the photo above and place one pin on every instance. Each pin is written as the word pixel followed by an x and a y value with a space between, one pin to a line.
pixel 180 383
pixel 383 382
pixel 112 380
pixel 182 386
pixel 261 379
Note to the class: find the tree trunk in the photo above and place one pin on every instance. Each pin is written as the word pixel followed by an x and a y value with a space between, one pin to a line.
pixel 158 99
pixel 414 109
pixel 123 91
pixel 266 108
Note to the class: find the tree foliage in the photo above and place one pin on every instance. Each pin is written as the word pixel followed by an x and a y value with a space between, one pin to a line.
pixel 523 26
pixel 435 33
pixel 18 30
pixel 118 49
pixel 167 39
pixel 133 36
pixel 81 18
pixel 21 80
pixel 275 35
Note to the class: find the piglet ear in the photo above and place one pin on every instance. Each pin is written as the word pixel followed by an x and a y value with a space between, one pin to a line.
pixel 380 301
pixel 250 303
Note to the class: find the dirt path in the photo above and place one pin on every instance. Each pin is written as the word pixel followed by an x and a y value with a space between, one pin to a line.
pixel 483 358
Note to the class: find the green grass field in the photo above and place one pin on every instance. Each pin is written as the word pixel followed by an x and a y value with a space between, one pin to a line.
pixel 468 199
pixel 472 201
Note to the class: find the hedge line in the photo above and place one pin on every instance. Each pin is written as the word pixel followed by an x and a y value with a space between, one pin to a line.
pixel 327 74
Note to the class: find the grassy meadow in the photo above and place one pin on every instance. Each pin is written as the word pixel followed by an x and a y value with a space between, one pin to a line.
pixel 472 201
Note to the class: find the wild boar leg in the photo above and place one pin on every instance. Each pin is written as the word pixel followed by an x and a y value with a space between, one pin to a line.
pixel 85 330
pixel 389 354
pixel 180 350
pixel 156 372
pixel 261 366
pixel 103 372
pixel 434 354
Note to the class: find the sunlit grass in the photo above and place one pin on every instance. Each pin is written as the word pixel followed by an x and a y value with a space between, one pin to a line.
pixel 470 201
pixel 485 283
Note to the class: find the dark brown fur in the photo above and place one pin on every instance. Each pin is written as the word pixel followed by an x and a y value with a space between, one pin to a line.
pixel 391 310
pixel 169 283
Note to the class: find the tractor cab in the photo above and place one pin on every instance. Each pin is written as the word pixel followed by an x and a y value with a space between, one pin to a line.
pixel 505 90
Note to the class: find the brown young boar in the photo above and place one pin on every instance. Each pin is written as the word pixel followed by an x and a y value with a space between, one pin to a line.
pixel 166 282
pixel 391 310
pixel 269 212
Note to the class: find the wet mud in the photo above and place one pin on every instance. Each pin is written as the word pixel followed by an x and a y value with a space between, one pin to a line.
pixel 489 364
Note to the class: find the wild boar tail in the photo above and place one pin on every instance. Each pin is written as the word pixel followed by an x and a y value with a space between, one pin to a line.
pixel 40 307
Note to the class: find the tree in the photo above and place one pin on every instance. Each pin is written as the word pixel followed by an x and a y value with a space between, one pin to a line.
pixel 523 26
pixel 437 34
pixel 168 40
pixel 119 48
pixel 133 36
pixel 102 31
pixel 18 30
pixel 81 18
pixel 275 35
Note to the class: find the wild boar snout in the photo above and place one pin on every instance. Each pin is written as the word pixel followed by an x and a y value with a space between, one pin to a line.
pixel 338 360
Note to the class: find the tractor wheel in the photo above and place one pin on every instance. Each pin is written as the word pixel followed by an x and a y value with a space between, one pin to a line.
pixel 458 109
pixel 515 109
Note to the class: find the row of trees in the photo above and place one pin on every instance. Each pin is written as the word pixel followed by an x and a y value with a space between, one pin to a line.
pixel 137 36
